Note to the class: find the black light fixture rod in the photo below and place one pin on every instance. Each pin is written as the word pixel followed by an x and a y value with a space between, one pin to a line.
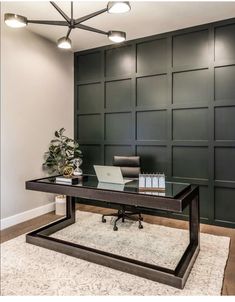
pixel 85 27
pixel 68 33
pixel 60 11
pixel 71 10
pixel 87 17
pixel 48 22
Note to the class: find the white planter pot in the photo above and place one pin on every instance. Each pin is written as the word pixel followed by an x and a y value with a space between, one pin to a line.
pixel 60 205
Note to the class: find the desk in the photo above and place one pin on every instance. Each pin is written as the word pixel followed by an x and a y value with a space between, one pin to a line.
pixel 176 198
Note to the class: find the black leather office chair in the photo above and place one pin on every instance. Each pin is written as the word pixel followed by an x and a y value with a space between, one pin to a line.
pixel 130 167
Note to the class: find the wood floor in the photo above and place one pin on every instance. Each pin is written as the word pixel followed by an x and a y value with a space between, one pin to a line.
pixel 229 277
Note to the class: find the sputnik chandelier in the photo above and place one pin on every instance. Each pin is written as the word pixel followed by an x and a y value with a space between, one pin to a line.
pixel 113 7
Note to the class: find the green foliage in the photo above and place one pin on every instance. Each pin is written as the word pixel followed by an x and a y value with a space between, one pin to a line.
pixel 62 151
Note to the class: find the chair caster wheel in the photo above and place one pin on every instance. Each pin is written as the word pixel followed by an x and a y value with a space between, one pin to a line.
pixel 141 227
pixel 115 228
pixel 103 220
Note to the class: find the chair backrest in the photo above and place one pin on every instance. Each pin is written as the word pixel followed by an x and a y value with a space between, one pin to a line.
pixel 130 165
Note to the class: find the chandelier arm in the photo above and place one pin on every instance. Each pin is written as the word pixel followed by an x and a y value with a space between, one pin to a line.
pixel 48 22
pixel 68 33
pixel 87 17
pixel 85 27
pixel 60 12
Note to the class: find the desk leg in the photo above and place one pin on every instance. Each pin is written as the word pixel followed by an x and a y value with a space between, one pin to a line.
pixel 186 262
pixel 58 224
pixel 70 208
pixel 194 219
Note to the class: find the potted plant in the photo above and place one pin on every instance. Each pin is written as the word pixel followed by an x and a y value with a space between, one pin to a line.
pixel 62 151
pixel 59 160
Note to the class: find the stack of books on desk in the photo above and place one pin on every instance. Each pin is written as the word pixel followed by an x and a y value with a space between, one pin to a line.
pixel 73 180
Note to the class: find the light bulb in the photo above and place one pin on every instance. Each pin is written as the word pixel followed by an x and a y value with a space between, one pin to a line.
pixel 64 43
pixel 117 36
pixel 15 21
pixel 118 7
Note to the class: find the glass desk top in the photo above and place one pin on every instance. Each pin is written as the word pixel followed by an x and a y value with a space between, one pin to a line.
pixel 172 190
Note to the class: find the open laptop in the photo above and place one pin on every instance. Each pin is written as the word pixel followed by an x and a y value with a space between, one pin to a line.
pixel 110 174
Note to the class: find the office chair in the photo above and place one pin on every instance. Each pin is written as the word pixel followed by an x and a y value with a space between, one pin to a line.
pixel 130 167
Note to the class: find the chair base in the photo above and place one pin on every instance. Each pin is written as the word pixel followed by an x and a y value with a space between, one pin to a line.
pixel 122 214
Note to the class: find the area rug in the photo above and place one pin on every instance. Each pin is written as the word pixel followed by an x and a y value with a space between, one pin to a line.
pixel 30 270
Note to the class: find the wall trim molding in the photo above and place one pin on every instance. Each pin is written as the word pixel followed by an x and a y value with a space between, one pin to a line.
pixel 169 77
pixel 27 215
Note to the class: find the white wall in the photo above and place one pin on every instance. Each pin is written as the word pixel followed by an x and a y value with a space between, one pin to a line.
pixel 36 99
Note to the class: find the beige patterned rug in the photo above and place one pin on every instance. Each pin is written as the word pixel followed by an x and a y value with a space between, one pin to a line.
pixel 30 270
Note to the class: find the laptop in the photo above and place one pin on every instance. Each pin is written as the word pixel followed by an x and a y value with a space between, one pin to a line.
pixel 110 174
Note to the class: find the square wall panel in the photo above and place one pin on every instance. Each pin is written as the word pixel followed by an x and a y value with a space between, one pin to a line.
pixel 90 98
pixel 225 42
pixel 153 158
pixel 116 150
pixel 191 49
pixel 91 156
pixel 190 124
pixel 225 83
pixel 190 162
pixel 191 87
pixel 152 56
pixel 89 67
pixel 118 95
pixel 152 91
pixel 151 125
pixel 118 126
pixel 204 201
pixel 120 61
pixel 225 204
pixel 225 163
pixel 89 127
pixel 225 123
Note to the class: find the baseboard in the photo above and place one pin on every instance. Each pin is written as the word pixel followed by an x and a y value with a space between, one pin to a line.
pixel 24 216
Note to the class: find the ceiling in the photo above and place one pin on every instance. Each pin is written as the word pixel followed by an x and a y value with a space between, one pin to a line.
pixel 144 19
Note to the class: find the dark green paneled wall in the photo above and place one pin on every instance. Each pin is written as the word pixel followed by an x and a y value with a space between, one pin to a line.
pixel 169 98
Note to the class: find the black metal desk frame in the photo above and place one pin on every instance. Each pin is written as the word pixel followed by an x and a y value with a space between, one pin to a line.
pixel 176 278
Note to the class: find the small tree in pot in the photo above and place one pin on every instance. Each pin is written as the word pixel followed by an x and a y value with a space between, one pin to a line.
pixel 59 158
pixel 62 151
